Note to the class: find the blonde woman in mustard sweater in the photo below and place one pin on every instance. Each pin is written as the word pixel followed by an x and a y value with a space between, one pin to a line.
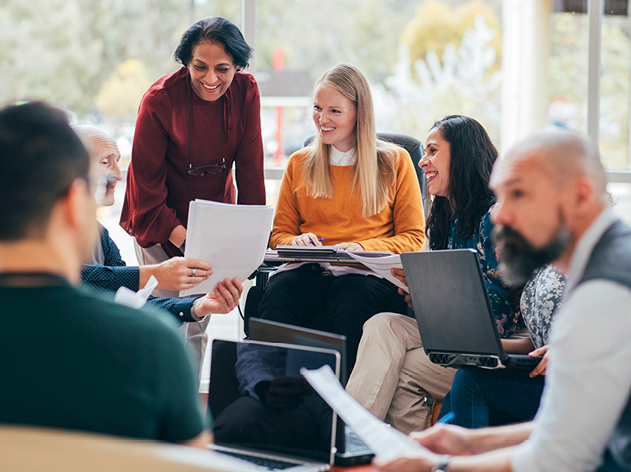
pixel 347 189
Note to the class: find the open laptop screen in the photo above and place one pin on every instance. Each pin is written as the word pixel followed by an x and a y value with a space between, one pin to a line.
pixel 274 332
pixel 260 402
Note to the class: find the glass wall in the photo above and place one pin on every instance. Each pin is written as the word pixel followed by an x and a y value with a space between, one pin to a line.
pixel 515 65
pixel 614 100
pixel 424 60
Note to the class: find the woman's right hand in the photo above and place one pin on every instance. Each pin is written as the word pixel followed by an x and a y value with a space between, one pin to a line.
pixel 400 275
pixel 306 239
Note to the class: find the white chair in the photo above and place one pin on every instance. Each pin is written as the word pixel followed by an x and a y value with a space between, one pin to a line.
pixel 27 449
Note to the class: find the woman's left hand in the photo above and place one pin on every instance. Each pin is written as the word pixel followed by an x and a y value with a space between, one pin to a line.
pixel 543 363
pixel 350 246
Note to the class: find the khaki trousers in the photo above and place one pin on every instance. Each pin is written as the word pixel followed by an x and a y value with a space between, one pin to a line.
pixel 194 333
pixel 393 375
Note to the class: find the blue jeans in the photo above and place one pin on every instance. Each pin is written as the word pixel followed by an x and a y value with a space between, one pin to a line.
pixel 481 397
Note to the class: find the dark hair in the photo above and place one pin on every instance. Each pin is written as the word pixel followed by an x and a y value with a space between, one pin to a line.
pixel 40 157
pixel 472 156
pixel 216 30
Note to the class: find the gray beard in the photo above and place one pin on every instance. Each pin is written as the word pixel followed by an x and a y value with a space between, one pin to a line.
pixel 519 259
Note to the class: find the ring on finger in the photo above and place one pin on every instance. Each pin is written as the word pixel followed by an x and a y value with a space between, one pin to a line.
pixel 194 272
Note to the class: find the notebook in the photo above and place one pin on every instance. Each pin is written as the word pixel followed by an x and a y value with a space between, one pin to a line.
pixel 264 411
pixel 351 450
pixel 324 252
pixel 453 311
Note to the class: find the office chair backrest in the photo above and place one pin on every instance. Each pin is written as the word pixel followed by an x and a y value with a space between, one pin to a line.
pixel 415 149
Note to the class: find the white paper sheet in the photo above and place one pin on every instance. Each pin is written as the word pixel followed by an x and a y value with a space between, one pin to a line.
pixel 386 442
pixel 127 297
pixel 381 266
pixel 231 238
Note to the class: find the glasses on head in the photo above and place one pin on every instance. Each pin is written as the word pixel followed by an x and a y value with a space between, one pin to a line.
pixel 206 170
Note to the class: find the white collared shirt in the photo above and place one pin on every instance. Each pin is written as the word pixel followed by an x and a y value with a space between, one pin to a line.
pixel 589 370
pixel 339 158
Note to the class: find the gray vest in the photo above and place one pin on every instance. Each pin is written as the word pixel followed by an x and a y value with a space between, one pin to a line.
pixel 611 260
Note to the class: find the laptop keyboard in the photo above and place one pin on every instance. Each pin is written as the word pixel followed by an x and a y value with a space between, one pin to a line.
pixel 270 464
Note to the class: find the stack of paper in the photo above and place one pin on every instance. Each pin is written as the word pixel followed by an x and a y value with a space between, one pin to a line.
pixel 381 266
pixel 231 238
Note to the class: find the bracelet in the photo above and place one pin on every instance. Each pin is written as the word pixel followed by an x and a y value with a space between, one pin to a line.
pixel 443 465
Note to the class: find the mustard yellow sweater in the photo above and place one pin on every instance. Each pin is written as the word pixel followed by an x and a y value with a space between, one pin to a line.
pixel 398 228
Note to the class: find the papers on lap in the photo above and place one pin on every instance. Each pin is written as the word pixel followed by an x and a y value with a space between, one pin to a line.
pixel 381 266
pixel 232 238
pixel 380 262
pixel 386 442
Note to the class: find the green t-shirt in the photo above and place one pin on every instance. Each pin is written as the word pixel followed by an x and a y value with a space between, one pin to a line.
pixel 73 360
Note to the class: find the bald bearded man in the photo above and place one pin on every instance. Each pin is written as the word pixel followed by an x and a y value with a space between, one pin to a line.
pixel 553 207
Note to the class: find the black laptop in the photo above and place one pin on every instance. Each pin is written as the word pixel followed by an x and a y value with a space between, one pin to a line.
pixel 264 411
pixel 351 450
pixel 453 311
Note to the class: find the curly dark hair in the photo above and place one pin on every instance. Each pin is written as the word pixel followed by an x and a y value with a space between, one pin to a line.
pixel 472 156
pixel 216 30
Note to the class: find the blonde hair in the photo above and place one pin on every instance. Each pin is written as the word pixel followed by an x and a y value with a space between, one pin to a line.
pixel 373 172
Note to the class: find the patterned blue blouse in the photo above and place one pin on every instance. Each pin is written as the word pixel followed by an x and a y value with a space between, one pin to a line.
pixel 507 314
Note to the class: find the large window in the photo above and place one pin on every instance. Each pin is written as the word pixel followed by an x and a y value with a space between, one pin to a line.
pixel 515 65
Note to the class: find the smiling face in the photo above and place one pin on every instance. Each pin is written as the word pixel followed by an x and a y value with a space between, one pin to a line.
pixel 212 71
pixel 335 118
pixel 435 162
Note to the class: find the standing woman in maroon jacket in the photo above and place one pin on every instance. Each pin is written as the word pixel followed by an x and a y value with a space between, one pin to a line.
pixel 192 126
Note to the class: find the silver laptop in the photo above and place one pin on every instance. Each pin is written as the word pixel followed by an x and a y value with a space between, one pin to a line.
pixel 264 411
pixel 453 311
pixel 350 449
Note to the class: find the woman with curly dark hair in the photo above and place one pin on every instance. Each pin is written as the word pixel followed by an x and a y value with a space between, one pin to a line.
pixel 393 375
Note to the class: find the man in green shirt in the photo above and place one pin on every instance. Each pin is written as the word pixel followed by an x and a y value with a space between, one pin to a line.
pixel 87 363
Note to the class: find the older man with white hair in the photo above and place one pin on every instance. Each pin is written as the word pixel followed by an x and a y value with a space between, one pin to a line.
pixel 552 206
pixel 108 271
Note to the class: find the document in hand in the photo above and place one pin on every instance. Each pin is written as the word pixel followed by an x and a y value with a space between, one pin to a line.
pixel 386 442
pixel 231 238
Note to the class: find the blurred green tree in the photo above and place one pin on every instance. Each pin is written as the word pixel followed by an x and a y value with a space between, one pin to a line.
pixel 437 24
pixel 121 93
pixel 63 50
